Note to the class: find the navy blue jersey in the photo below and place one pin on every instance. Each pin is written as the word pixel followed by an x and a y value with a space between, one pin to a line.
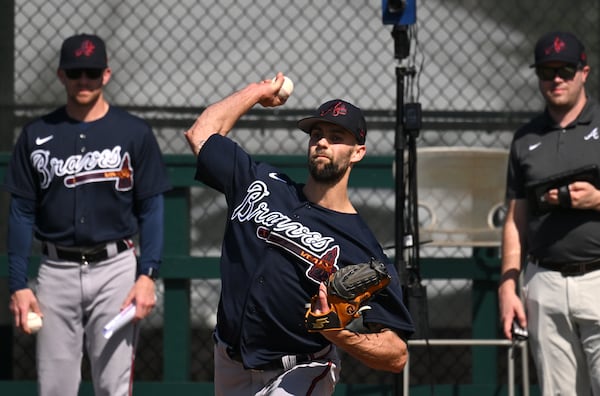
pixel 277 248
pixel 86 177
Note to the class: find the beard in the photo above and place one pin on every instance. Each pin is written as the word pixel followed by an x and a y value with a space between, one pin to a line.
pixel 329 173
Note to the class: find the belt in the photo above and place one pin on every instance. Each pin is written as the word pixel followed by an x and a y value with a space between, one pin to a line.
pixel 87 254
pixel 568 269
pixel 284 363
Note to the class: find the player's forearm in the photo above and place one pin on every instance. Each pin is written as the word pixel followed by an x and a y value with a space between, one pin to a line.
pixel 20 239
pixel 384 350
pixel 512 249
pixel 221 116
pixel 151 229
pixel 511 262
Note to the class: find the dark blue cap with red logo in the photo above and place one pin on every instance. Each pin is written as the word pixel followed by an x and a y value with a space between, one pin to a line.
pixel 83 51
pixel 560 47
pixel 341 113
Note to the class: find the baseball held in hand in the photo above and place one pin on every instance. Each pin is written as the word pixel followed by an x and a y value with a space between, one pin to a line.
pixel 286 89
pixel 34 322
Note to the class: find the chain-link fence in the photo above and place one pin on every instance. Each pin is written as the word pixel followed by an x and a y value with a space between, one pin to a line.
pixel 172 58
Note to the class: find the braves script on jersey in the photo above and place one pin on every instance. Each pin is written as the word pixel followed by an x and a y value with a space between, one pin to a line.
pixel 94 170
pixel 277 248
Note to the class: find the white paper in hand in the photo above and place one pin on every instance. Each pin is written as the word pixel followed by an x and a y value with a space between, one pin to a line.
pixel 119 321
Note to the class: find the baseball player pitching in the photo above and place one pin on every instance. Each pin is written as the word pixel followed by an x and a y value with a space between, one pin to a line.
pixel 279 321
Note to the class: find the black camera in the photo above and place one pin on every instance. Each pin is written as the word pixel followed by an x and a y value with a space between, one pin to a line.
pixel 537 189
pixel 518 333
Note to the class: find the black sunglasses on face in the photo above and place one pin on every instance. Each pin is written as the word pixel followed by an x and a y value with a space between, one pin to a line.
pixel 92 74
pixel 546 73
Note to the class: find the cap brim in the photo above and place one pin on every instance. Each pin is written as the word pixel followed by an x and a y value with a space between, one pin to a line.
pixel 68 66
pixel 562 60
pixel 306 124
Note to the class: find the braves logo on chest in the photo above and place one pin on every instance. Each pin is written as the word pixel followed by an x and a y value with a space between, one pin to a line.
pixel 276 228
pixel 91 167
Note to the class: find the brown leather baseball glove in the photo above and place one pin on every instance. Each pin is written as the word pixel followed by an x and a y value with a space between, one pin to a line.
pixel 348 289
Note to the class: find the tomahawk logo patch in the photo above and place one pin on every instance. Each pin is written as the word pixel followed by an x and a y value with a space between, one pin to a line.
pixel 320 266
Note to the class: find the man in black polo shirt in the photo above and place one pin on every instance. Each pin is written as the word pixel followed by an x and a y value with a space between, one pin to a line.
pixel 553 224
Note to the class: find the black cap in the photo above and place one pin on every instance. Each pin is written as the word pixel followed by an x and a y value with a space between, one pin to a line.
pixel 341 113
pixel 83 51
pixel 560 47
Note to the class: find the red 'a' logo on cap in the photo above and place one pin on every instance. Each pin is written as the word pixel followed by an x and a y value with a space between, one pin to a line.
pixel 336 110
pixel 87 49
pixel 557 46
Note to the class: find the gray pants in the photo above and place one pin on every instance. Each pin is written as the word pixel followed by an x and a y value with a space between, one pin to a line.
pixel 316 378
pixel 77 300
pixel 563 318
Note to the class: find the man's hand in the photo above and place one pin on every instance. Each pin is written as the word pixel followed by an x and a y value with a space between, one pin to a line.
pixel 583 196
pixel 321 306
pixel 21 303
pixel 143 295
pixel 270 97
pixel 511 308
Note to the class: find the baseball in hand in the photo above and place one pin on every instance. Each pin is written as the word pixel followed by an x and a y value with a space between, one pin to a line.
pixel 286 88
pixel 34 322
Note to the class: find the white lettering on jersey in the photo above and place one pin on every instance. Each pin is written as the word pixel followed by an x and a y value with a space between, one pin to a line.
pixel 107 160
pixel 252 209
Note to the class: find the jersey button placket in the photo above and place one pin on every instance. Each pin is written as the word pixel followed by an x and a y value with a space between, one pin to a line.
pixel 79 197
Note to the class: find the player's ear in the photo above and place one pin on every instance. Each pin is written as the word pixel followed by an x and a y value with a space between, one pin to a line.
pixel 106 75
pixel 359 152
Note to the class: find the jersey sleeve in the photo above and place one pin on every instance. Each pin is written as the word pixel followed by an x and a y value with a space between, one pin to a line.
pixel 20 178
pixel 151 176
pixel 515 186
pixel 220 162
pixel 20 236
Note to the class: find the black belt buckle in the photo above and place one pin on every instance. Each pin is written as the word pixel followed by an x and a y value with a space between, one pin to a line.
pixel 271 366
pixel 89 256
pixel 573 269
pixel 94 256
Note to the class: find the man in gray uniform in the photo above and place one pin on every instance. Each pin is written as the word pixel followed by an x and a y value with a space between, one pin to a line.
pixel 85 178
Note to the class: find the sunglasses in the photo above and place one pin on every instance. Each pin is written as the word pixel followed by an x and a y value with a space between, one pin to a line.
pixel 546 73
pixel 92 74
